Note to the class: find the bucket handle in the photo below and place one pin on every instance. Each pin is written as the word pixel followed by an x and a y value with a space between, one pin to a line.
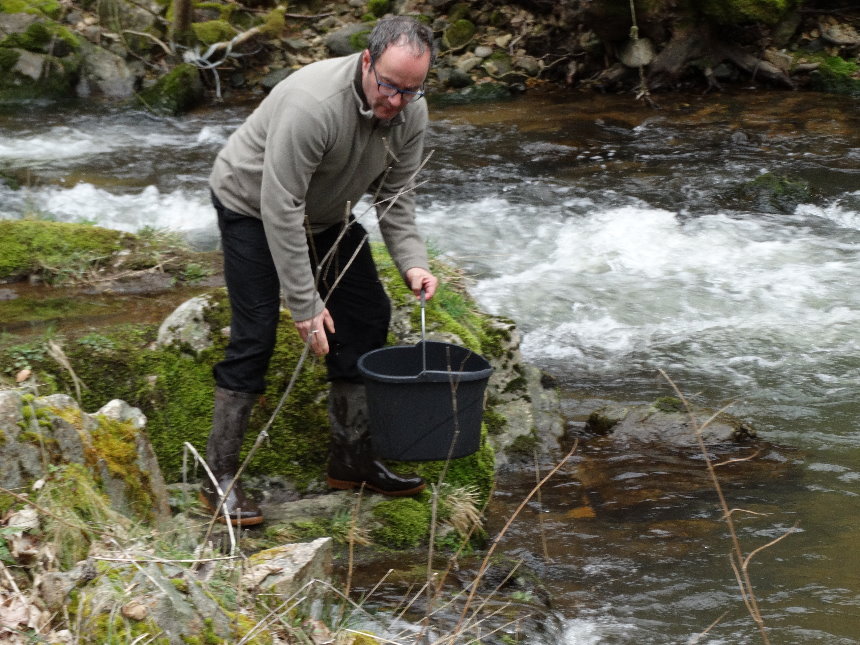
pixel 423 333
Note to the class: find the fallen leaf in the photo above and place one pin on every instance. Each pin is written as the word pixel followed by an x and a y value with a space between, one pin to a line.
pixel 581 512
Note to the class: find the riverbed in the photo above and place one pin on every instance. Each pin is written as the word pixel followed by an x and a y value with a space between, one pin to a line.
pixel 624 239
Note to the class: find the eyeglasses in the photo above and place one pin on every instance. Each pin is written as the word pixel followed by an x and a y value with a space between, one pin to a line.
pixel 407 96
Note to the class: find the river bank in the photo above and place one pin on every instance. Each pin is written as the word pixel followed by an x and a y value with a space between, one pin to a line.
pixel 137 52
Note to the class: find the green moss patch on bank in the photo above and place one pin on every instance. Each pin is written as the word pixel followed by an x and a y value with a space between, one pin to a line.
pixel 33 246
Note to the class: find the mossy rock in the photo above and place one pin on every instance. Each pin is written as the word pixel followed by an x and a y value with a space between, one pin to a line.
pixel 213 31
pixel 458 34
pixel 38 76
pixel 378 8
pixel 177 92
pixel 776 193
pixel 46 37
pixel 460 11
pixel 838 76
pixel 27 246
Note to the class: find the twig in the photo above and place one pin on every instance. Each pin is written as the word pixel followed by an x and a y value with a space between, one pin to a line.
pixel 160 43
pixel 738 459
pixel 486 562
pixel 739 563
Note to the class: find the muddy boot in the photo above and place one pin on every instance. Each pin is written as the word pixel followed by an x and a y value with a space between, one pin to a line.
pixel 229 422
pixel 351 459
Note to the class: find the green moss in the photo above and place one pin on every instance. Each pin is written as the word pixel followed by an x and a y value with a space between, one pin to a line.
pixel 39 36
pixel 213 31
pixel 358 40
pixel 8 60
pixel 523 445
pixel 378 7
pixel 75 503
pixel 114 443
pixel 49 8
pixel 460 11
pixel 31 246
pixel 600 423
pixel 404 523
pixel 740 11
pixel 838 76
pixel 494 421
pixel 275 22
pixel 458 34
pixel 174 93
pixel 668 404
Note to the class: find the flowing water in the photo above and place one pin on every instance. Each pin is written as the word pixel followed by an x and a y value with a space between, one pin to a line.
pixel 624 240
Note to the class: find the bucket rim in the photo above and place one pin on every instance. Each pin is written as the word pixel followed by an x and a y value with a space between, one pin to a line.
pixel 425 376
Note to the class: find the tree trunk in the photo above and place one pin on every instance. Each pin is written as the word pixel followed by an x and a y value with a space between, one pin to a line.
pixel 182 11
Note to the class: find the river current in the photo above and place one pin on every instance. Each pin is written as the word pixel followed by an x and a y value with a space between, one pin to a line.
pixel 623 239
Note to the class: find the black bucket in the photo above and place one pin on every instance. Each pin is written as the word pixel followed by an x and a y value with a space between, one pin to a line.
pixel 412 391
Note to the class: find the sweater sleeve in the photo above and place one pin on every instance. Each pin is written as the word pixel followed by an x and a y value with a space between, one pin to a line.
pixel 295 145
pixel 396 199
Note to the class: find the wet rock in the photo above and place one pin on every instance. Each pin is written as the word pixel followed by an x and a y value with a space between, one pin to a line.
pixel 187 326
pixel 667 422
pixel 104 73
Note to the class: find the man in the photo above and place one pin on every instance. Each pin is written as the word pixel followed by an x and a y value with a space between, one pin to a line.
pixel 282 187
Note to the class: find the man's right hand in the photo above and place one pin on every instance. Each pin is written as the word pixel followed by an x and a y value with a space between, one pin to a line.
pixel 315 328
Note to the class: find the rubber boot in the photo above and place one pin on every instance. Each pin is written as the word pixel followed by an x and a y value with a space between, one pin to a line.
pixel 351 459
pixel 229 423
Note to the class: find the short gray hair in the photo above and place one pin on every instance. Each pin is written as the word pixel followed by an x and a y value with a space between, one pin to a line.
pixel 400 30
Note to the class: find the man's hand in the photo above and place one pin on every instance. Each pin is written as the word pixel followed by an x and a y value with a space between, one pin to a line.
pixel 418 279
pixel 315 329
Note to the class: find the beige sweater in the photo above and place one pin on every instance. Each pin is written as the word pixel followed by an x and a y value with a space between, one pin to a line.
pixel 310 151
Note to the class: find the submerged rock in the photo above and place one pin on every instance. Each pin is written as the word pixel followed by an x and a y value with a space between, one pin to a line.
pixel 669 423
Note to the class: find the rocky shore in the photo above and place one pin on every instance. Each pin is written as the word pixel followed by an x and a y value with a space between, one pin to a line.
pixel 126 50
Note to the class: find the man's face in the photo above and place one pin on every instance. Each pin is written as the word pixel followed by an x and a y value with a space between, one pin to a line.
pixel 399 67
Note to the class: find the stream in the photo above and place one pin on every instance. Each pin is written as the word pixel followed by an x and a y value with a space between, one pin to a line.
pixel 623 239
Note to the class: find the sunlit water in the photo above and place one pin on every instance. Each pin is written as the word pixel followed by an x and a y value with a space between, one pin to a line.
pixel 622 241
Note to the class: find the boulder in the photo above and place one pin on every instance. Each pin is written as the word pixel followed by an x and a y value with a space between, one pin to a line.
pixel 291 570
pixel 104 73
pixel 41 433
pixel 348 39
pixel 668 423
pixel 187 326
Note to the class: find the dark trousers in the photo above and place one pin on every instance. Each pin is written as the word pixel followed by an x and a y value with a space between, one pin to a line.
pixel 358 304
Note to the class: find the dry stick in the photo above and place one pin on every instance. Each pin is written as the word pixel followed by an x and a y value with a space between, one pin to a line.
pixel 222 497
pixel 695 639
pixel 486 562
pixel 540 511
pixel 483 604
pixel 435 504
pixel 352 528
pixel 740 564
